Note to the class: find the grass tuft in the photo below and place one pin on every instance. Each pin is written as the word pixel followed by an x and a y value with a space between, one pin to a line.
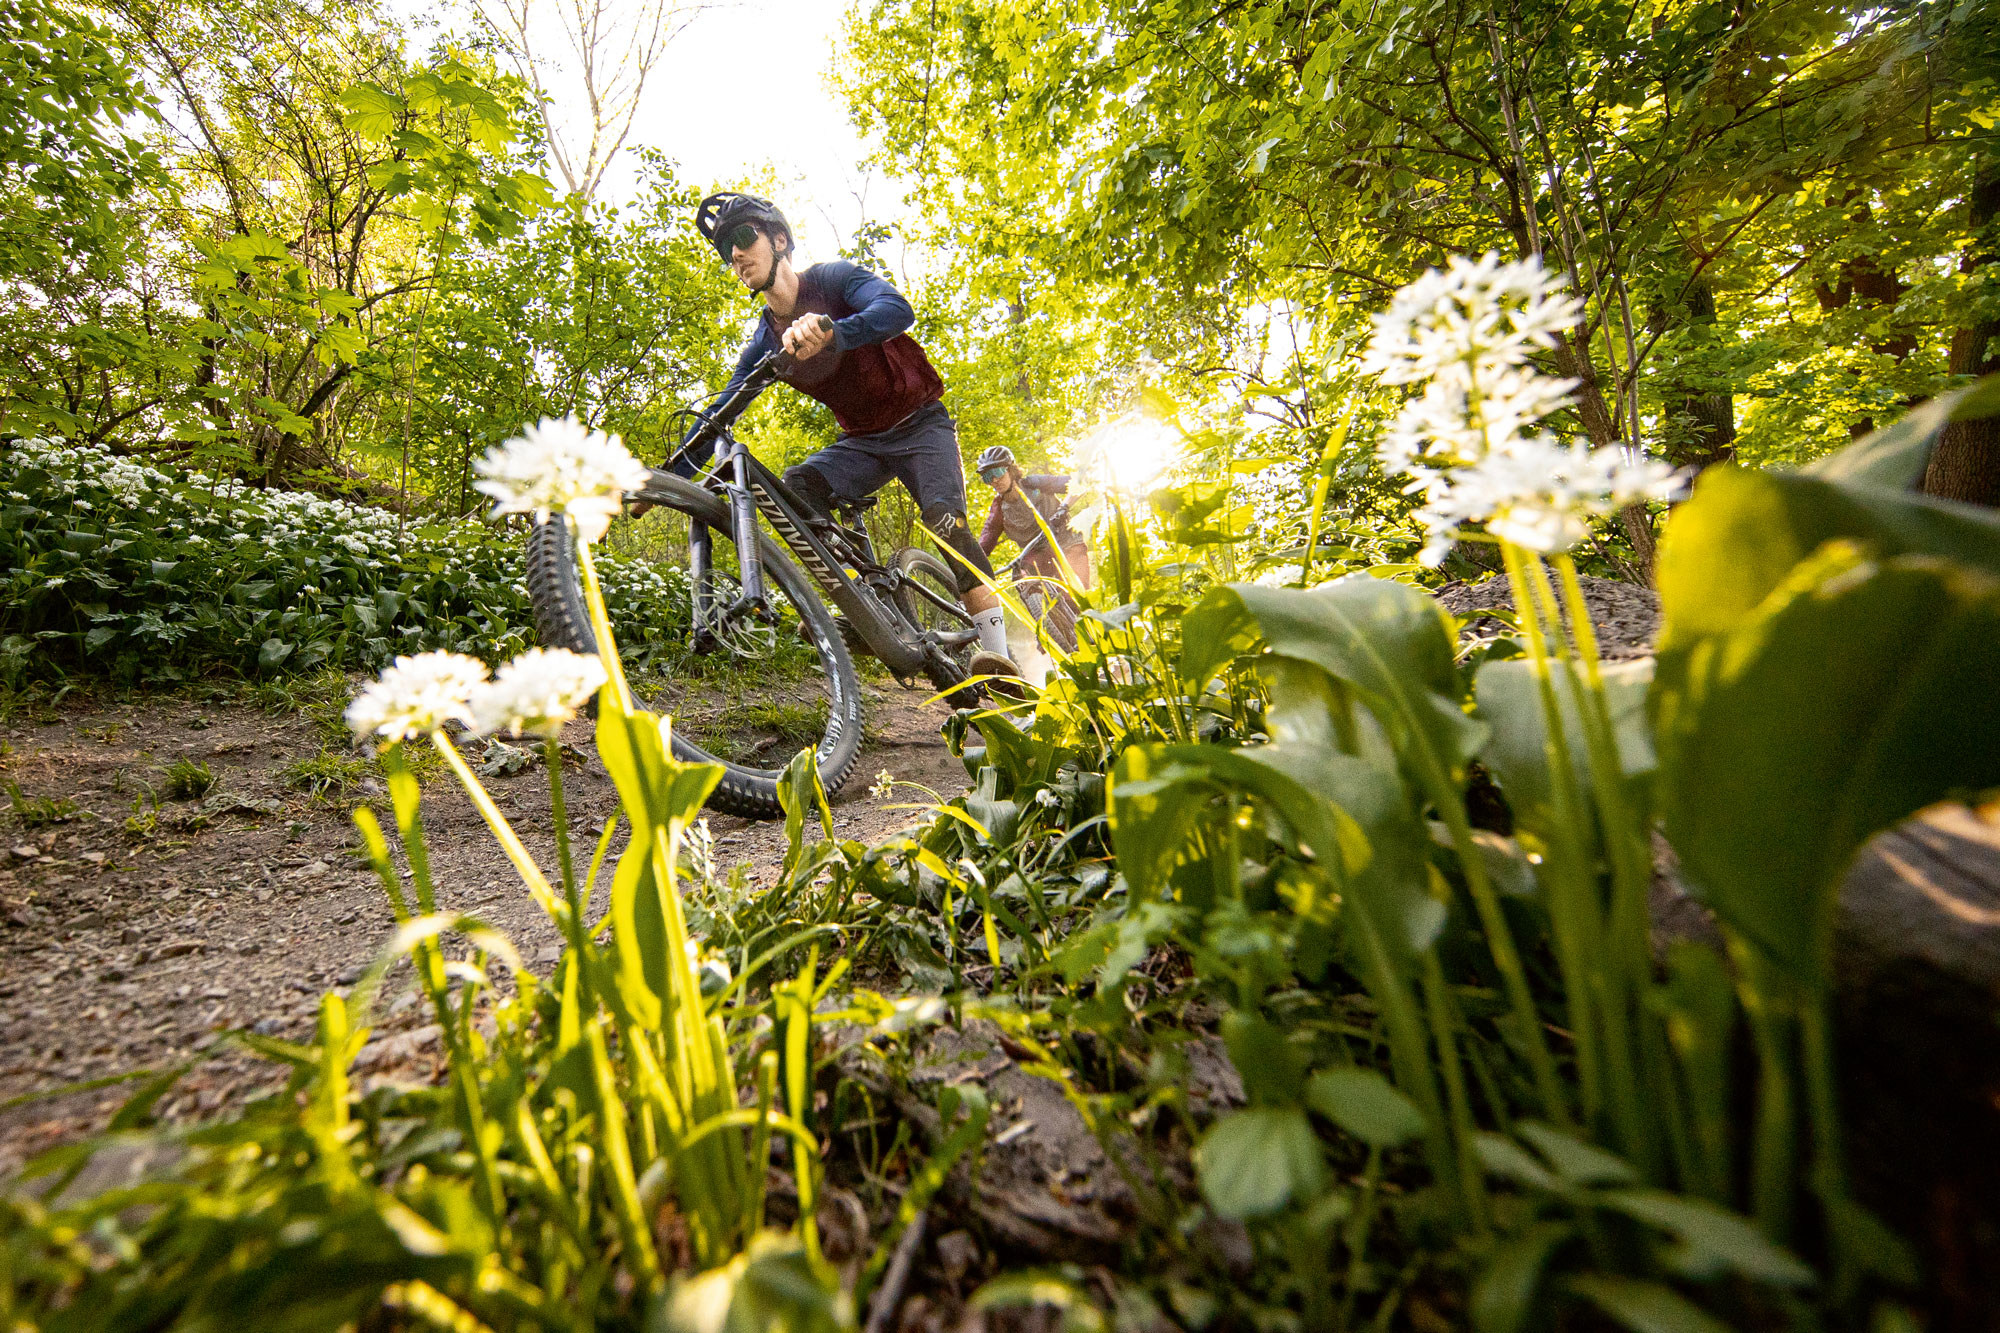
pixel 188 780
pixel 326 776
pixel 40 812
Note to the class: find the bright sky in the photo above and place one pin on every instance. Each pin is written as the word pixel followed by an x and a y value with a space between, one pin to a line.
pixel 742 93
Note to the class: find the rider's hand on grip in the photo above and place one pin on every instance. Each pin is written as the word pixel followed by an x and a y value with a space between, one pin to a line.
pixel 808 336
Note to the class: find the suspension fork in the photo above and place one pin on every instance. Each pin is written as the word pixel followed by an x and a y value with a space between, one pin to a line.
pixel 743 504
pixel 700 549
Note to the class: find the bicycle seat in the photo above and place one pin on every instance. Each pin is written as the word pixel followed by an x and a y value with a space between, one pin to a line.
pixel 854 507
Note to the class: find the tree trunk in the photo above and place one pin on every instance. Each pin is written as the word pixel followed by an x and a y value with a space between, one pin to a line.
pixel 1601 428
pixel 1966 463
pixel 1712 416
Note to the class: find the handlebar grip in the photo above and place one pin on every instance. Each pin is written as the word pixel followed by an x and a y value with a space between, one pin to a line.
pixel 782 362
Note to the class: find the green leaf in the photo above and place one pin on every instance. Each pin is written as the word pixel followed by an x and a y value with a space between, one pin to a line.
pixel 1253 1163
pixel 1575 1161
pixel 1836 709
pixel 1271 1066
pixel 371 111
pixel 274 652
pixel 1365 1104
pixel 1510 702
pixel 1503 1296
pixel 1390 642
pixel 1740 537
pixel 1645 1307
pixel 1038 1287
pixel 1510 1161
pixel 1711 1240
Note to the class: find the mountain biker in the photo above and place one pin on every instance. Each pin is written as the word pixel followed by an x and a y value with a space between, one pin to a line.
pixel 1017 498
pixel 884 393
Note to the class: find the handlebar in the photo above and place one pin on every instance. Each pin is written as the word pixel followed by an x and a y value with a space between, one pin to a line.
pixel 771 366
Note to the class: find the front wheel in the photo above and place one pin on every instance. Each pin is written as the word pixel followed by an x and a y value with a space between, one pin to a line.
pixel 749 693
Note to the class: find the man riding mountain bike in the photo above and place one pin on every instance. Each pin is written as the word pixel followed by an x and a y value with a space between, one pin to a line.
pixel 847 331
pixel 1017 498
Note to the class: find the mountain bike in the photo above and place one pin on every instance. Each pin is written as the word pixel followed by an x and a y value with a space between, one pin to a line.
pixel 760 616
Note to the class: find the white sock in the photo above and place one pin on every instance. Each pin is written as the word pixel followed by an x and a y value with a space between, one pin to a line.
pixel 992 626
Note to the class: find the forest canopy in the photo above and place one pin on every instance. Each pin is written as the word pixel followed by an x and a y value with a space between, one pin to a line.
pixel 276 238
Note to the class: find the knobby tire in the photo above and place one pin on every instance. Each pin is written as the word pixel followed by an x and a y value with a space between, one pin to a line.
pixel 555 588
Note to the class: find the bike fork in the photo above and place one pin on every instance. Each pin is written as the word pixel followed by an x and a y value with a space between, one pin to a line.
pixel 744 507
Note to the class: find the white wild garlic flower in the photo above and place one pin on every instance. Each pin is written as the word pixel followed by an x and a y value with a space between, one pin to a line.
pixel 1468 443
pixel 536 693
pixel 556 466
pixel 416 696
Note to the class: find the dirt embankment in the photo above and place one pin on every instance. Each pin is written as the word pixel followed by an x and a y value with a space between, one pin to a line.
pixel 135 927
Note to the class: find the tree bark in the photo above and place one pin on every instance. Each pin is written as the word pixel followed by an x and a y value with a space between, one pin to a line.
pixel 1966 463
pixel 1601 428
pixel 1712 416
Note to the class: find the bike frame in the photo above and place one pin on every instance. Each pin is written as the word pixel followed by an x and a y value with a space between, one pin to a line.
pixel 747 489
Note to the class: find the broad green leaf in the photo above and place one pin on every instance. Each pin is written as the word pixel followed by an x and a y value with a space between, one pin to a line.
pixel 1388 641
pixel 1743 533
pixel 1645 1307
pixel 1366 1105
pixel 1855 696
pixel 1254 1162
pixel 1503 1295
pixel 1507 1159
pixel 371 111
pixel 1710 1240
pixel 1510 703
pixel 1271 1066
pixel 1575 1161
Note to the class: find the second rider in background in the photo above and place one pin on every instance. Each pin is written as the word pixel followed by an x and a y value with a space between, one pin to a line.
pixel 1017 498
pixel 880 386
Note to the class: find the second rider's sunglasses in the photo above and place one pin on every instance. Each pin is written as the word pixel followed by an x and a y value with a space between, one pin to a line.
pixel 740 237
pixel 992 474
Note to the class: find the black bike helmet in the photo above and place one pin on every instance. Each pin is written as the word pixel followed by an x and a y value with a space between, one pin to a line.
pixel 719 214
pixel 997 456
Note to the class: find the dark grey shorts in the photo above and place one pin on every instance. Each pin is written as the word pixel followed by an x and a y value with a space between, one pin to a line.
pixel 921 451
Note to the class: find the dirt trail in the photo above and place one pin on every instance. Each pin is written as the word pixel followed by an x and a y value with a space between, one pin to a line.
pixel 123 949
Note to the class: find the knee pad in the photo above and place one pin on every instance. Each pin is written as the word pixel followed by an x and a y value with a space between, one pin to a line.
pixel 810 485
pixel 948 525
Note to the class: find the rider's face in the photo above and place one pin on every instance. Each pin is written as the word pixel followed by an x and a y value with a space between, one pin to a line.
pixel 1001 480
pixel 752 264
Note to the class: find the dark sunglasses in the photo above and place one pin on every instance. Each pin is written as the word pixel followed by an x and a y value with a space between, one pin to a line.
pixel 740 237
pixel 992 474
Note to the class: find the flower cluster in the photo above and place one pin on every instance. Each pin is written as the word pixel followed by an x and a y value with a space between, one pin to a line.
pixel 416 696
pixel 558 466
pixel 1468 443
pixel 538 692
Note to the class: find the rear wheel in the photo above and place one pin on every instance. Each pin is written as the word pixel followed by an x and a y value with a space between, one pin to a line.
pixel 750 692
pixel 944 665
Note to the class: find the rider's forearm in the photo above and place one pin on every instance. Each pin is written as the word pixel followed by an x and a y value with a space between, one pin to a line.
pixel 880 312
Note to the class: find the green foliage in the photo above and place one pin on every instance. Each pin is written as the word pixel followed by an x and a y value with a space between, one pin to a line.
pixel 576 1111
pixel 123 568
pixel 187 780
pixel 40 812
pixel 328 775
pixel 66 157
